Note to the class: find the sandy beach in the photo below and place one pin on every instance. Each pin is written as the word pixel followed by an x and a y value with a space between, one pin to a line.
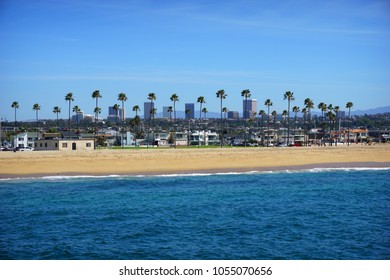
pixel 170 161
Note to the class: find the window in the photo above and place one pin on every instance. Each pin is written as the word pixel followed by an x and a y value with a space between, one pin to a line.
pixel 36 145
pixel 56 145
pixel 64 145
pixel 88 145
pixel 40 145
pixel 20 139
pixel 45 144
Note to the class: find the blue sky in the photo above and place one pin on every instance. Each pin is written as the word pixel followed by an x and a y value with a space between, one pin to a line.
pixel 331 51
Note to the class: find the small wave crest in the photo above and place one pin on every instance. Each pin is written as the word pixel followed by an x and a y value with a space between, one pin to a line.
pixel 200 174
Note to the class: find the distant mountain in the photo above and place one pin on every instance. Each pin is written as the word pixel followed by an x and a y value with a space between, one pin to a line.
pixel 216 115
pixel 379 110
pixel 181 115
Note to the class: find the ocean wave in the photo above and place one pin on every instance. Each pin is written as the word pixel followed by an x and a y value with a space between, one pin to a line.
pixel 201 174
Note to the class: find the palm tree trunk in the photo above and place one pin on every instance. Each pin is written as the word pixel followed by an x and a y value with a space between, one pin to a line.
pixel 221 134
pixel 15 118
pixel 268 128
pixel 174 124
pixel 288 123
pixel 245 112
pixel 349 122
pixel 69 120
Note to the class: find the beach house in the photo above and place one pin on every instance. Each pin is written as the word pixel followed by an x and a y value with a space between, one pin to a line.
pixel 25 139
pixel 55 142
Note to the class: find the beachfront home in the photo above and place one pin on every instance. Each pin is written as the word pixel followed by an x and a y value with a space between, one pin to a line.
pixel 113 137
pixel 54 142
pixel 26 139
pixel 358 135
pixel 206 138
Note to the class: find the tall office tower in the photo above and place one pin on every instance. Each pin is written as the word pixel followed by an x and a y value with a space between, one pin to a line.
pixel 233 115
pixel 166 114
pixel 147 110
pixel 249 107
pixel 191 107
pixel 114 114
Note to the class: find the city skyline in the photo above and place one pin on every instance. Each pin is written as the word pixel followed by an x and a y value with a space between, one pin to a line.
pixel 333 52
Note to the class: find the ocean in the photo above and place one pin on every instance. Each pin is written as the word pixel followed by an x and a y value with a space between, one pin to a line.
pixel 335 214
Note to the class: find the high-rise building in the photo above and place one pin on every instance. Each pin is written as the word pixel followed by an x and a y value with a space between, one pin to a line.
pixel 249 107
pixel 234 115
pixel 191 108
pixel 114 114
pixel 166 114
pixel 148 106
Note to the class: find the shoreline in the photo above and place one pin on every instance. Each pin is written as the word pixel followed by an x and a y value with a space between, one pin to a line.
pixel 189 161
pixel 294 168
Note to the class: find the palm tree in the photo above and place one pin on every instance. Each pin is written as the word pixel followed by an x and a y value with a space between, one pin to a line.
pixel 116 109
pixel 201 101
pixel 152 98
pixel 136 122
pixel 188 113
pixel 268 103
pixel 284 115
pixel 332 119
pixel 221 95
pixel 296 110
pixel 97 110
pixel 174 98
pixel 225 111
pixel 309 105
pixel 123 98
pixel 290 97
pixel 304 112
pixel 57 110
pixel 246 94
pixel 77 110
pixel 170 110
pixel 136 109
pixel 36 107
pixel 323 107
pixel 154 112
pixel 262 114
pixel 349 105
pixel 336 111
pixel 69 98
pixel 96 95
pixel 204 111
pixel 274 114
pixel 15 105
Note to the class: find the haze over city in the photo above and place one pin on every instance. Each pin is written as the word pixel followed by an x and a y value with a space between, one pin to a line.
pixel 332 52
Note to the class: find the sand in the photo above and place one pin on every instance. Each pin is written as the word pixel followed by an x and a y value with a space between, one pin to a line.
pixel 171 161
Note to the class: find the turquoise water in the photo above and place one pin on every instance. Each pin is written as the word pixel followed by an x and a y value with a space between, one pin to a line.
pixel 312 214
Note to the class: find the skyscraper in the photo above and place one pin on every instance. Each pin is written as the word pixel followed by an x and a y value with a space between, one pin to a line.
pixel 233 115
pixel 165 112
pixel 115 114
pixel 249 107
pixel 147 110
pixel 191 107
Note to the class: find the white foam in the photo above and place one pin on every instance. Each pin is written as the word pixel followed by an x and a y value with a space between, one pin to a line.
pixel 202 174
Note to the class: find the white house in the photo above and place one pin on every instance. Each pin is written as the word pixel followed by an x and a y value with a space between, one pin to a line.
pixel 25 139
